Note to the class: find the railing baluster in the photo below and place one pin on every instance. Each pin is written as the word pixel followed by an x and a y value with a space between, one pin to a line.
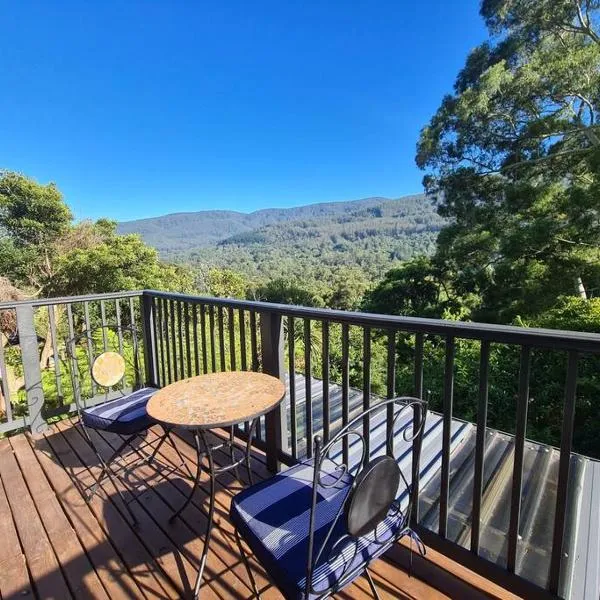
pixel 104 324
pixel 566 446
pixel 188 345
pixel 325 377
pixel 292 384
pixel 55 356
pixel 242 323
pixel 167 319
pixel 418 391
pixel 221 339
pixel 5 388
pixel 484 361
pixel 180 339
pixel 213 350
pixel 204 347
pixel 367 390
pixel 160 340
pixel 231 328
pixel 446 433
pixel 517 481
pixel 253 342
pixel 88 340
pixel 195 336
pixel 136 346
pixel 173 334
pixel 75 381
pixel 308 419
pixel 390 387
pixel 119 334
pixel 345 388
pixel 119 328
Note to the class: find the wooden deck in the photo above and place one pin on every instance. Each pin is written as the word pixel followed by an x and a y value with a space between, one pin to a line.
pixel 54 544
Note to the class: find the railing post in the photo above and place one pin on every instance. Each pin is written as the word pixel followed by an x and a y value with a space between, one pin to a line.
pixel 30 356
pixel 147 311
pixel 273 363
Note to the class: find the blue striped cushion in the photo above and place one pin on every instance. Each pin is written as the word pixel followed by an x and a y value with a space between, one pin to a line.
pixel 124 415
pixel 273 517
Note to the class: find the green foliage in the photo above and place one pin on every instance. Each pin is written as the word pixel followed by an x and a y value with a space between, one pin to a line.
pixel 282 291
pixel 31 214
pixel 513 158
pixel 44 252
pixel 225 283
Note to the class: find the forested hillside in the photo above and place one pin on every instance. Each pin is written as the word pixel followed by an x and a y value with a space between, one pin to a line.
pixel 371 233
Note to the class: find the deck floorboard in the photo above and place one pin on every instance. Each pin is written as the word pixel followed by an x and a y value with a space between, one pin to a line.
pixel 56 544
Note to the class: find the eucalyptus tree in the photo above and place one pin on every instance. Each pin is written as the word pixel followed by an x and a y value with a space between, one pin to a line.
pixel 513 159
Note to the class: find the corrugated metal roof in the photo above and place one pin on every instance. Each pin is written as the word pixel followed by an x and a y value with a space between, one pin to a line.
pixel 580 577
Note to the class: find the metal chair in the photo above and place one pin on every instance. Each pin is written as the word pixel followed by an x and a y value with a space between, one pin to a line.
pixel 122 412
pixel 317 526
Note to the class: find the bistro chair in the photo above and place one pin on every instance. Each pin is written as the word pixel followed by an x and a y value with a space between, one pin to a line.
pixel 316 527
pixel 106 352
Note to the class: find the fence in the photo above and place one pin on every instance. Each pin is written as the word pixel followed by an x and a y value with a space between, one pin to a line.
pixel 320 352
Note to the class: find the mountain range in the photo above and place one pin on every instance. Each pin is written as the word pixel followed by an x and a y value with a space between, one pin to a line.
pixel 182 234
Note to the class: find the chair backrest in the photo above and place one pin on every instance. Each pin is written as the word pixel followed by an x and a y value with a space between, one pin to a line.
pixel 100 359
pixel 379 489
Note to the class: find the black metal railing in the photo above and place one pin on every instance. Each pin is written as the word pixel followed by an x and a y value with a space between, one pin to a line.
pixel 335 363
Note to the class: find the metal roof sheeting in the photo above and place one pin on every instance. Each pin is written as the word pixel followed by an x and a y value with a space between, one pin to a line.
pixel 580 577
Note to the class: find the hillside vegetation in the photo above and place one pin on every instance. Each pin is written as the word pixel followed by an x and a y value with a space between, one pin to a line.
pixel 297 243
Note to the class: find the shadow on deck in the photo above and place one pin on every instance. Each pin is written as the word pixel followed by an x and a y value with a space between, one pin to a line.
pixel 55 544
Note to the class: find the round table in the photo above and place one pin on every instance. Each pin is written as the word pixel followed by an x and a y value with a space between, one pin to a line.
pixel 216 400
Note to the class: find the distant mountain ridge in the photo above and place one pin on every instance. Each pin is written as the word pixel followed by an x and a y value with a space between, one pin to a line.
pixel 180 233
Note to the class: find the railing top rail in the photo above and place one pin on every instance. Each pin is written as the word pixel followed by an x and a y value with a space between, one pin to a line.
pixel 70 299
pixel 508 334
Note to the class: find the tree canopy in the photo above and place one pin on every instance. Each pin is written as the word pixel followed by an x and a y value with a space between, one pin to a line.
pixel 43 252
pixel 513 159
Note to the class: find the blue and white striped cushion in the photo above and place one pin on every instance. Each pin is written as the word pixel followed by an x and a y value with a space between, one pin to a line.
pixel 273 517
pixel 124 415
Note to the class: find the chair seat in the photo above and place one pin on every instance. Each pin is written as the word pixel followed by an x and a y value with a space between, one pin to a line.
pixel 126 415
pixel 273 518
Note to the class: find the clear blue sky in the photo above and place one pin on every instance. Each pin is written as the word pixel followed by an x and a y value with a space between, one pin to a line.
pixel 138 109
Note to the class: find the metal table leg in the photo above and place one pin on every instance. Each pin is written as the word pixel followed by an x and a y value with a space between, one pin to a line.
pixel 211 510
pixel 203 448
pixel 196 478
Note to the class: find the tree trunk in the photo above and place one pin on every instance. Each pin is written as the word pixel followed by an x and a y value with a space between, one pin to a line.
pixel 580 288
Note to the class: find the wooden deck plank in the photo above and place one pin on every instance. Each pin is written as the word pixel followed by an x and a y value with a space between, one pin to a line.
pixel 226 487
pixel 78 570
pixel 156 505
pixel 111 570
pixel 134 554
pixel 358 590
pixel 224 571
pixel 148 537
pixel 14 578
pixel 155 560
pixel 49 581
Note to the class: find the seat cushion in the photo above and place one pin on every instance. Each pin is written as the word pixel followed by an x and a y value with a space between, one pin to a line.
pixel 125 415
pixel 273 517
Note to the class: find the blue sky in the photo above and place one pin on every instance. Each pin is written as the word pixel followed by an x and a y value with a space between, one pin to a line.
pixel 138 109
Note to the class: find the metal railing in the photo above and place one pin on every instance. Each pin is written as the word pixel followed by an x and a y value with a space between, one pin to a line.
pixel 365 355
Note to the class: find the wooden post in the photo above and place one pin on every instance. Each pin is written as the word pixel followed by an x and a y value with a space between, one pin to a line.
pixel 273 363
pixel 147 311
pixel 30 356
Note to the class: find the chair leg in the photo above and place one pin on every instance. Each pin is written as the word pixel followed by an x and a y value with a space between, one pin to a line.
pixel 106 464
pixel 106 470
pixel 247 565
pixel 372 585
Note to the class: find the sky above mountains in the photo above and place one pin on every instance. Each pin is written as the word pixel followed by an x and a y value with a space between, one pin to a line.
pixel 137 109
